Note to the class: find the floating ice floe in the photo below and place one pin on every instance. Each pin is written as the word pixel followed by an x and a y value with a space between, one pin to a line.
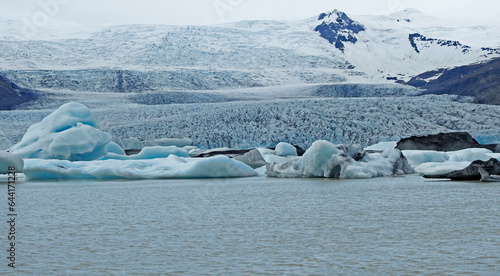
pixel 68 133
pixel 67 145
pixel 324 159
pixel 172 167
pixel 440 162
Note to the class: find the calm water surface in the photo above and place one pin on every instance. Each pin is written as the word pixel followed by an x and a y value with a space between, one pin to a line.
pixel 397 226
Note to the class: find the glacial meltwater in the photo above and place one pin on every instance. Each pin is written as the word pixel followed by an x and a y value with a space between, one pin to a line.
pixel 385 226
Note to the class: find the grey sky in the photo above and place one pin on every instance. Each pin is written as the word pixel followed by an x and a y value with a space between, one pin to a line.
pixel 185 12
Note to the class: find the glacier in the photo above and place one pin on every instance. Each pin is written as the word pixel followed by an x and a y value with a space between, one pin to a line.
pixel 152 58
pixel 283 117
pixel 242 76
pixel 5 142
pixel 67 145
pixel 243 85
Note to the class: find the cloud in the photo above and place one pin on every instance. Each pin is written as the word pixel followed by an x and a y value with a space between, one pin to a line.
pixel 187 12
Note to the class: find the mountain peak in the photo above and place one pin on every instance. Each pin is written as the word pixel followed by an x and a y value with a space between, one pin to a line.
pixel 407 15
pixel 335 13
pixel 337 27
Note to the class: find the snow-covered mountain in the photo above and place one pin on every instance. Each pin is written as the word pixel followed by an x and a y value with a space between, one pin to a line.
pixel 255 83
pixel 330 48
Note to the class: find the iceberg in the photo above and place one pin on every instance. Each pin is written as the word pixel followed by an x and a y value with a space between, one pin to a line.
pixel 426 162
pixel 270 156
pixel 69 133
pixel 132 143
pixel 326 160
pixel 418 157
pixel 4 141
pixel 285 149
pixel 172 167
pixel 10 160
pixel 7 161
pixel 150 153
pixel 114 148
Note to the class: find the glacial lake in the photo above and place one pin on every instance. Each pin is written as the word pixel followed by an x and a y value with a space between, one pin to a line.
pixel 385 226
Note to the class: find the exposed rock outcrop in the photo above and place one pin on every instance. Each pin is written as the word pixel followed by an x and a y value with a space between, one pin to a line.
pixel 12 95
pixel 252 158
pixel 478 80
pixel 215 152
pixel 442 142
pixel 338 28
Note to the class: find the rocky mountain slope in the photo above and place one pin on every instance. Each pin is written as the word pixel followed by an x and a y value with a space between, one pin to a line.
pixel 480 81
pixel 12 95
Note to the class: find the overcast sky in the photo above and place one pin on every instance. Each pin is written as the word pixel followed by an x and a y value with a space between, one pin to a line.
pixel 187 12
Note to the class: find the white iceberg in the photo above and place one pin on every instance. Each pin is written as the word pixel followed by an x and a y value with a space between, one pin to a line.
pixel 172 167
pixel 68 133
pixel 150 153
pixel 418 157
pixel 13 164
pixel 132 143
pixel 324 159
pixel 441 162
pixel 439 168
pixel 8 160
pixel 114 148
pixel 270 156
pixel 285 149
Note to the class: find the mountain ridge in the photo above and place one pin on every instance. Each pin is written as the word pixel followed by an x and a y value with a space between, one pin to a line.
pixel 330 48
pixel 479 80
pixel 12 95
